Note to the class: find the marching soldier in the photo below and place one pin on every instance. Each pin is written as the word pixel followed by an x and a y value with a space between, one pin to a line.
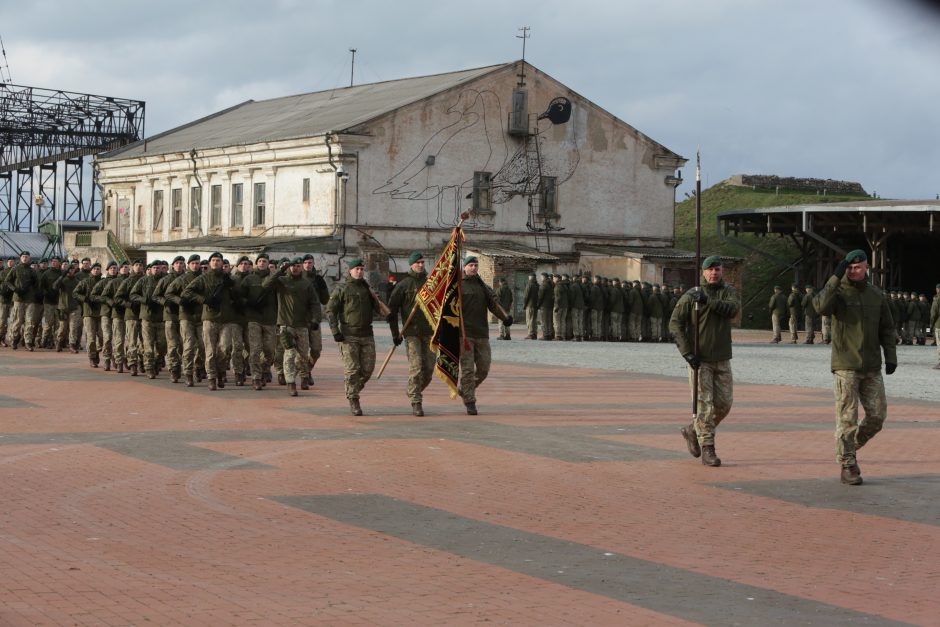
pixel 171 319
pixel 296 298
pixel 6 299
pixel 316 315
pixel 91 313
pixel 793 305
pixel 152 334
pixel 69 310
pixel 261 312
pixel 50 300
pixel 576 296
pixel 24 283
pixel 133 340
pixel 417 336
pixel 809 315
pixel 350 311
pixel 100 295
pixel 213 290
pixel 778 309
pixel 190 319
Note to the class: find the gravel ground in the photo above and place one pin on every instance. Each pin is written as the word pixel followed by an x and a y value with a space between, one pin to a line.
pixel 754 361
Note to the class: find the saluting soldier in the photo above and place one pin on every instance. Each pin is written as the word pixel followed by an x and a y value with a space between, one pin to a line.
pixel 91 313
pixel 69 310
pixel 190 319
pixel 350 312
pixel 417 336
pixel 213 290
pixel 296 298
pixel 100 295
pixel 133 340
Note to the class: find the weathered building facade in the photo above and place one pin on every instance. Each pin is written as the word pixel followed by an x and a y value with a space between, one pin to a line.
pixel 386 168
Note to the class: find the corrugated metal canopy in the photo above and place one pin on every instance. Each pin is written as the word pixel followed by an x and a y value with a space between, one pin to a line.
pixel 511 250
pixel 293 117
pixel 647 252
pixel 13 243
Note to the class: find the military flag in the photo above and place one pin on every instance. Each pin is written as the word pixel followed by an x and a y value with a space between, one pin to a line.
pixel 440 302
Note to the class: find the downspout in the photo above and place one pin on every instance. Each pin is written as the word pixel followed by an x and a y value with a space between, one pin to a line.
pixel 192 156
pixel 336 222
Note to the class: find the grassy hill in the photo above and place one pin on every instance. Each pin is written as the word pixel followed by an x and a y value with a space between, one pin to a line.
pixel 759 271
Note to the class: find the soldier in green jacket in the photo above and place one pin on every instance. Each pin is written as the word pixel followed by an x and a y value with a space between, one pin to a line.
pixel 99 294
pixel 118 336
pixel 171 320
pixel 6 299
pixel 261 313
pixel 716 303
pixel 23 281
pixel 654 308
pixel 531 304
pixel 68 311
pixel 91 313
pixel 350 311
pixel 296 298
pixel 915 320
pixel 560 307
pixel 190 319
pixel 475 356
pixel 576 296
pixel 935 322
pixel 133 342
pixel 152 335
pixel 50 299
pixel 793 306
pixel 778 309
pixel 213 290
pixel 635 321
pixel 861 329
pixel 316 315
pixel 417 335
pixel 809 315
pixel 505 298
pixel 547 306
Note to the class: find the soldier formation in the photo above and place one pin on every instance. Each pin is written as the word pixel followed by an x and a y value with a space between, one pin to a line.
pixel 598 309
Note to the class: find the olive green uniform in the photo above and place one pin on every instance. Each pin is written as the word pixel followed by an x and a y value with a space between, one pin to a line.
pixel 475 355
pixel 350 311
pixel 296 299
pixel 417 335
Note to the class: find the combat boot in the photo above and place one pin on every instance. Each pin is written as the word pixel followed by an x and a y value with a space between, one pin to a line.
pixel 212 384
pixel 851 475
pixel 239 379
pixel 709 458
pixel 220 381
pixel 30 347
pixel 776 340
pixel 310 378
pixel 152 372
pixel 16 343
pixel 471 408
pixel 303 383
pixel 256 384
pixel 58 347
pixel 691 440
pixel 74 348
pixel 417 409
pixel 121 366
pixel 190 380
pixel 281 380
pixel 107 365
pixel 355 407
pixel 134 369
pixel 174 375
pixel 937 367
pixel 292 388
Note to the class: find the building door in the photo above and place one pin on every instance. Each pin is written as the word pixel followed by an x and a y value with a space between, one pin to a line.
pixel 124 220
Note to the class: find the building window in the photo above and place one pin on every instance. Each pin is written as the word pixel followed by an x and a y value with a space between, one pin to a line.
pixel 195 207
pixel 549 196
pixel 258 204
pixel 140 216
pixel 158 210
pixel 215 210
pixel 306 190
pixel 176 203
pixel 482 198
pixel 238 201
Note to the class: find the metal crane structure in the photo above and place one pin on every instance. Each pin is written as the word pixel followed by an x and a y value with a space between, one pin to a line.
pixel 45 137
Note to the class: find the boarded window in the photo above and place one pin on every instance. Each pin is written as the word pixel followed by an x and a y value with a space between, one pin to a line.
pixel 306 190
pixel 482 197
pixel 238 202
pixel 158 210
pixel 176 202
pixel 258 204
pixel 549 199
pixel 195 207
pixel 215 209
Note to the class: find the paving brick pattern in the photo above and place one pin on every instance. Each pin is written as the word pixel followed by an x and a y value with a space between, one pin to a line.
pixel 570 499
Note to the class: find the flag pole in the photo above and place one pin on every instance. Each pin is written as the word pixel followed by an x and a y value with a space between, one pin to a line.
pixel 698 278
pixel 414 309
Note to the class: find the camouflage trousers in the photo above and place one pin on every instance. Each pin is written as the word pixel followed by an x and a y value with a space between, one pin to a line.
pixel 296 344
pixel 278 358
pixel 49 319
pixel 532 321
pixel 233 346
pixel 636 326
pixel 117 339
pixel 656 329
pixel 852 388
pixel 715 396
pixel 474 366
pixel 358 355
pixel 616 324
pixel 826 328
pixel 794 323
pixel 153 339
pixel 174 345
pixel 212 343
pixel 316 345
pixel 560 321
pixel 809 325
pixel 93 341
pixel 69 329
pixel 104 324
pixel 23 325
pixel 261 340
pixel 6 310
pixel 775 324
pixel 914 330
pixel 193 350
pixel 421 361
pixel 548 323
pixel 504 330
pixel 597 323
pixel 577 323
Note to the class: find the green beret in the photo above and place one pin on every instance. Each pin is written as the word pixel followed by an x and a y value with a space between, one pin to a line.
pixel 856 256
pixel 96 265
pixel 262 256
pixel 112 264
pixel 25 252
pixel 193 257
pixel 139 262
pixel 354 263
pixel 809 287
pixel 777 287
pixel 226 262
pixel 415 257
pixel 545 274
pixel 216 254
pixel 242 260
pixel 307 257
pixel 711 262
pixel 794 286
pixel 179 258
pixel 55 258
pixel 282 260
pixel 938 286
pixel 84 259
pixel 470 259
pixel 297 261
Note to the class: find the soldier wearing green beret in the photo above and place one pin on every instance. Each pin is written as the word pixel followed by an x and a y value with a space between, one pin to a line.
pixel 91 313
pixel 715 304
pixel 417 335
pixel 261 311
pixel 862 329
pixel 133 342
pixel 213 290
pixel 296 299
pixel 105 304
pixel 171 319
pixel 316 316
pixel 50 299
pixel 6 298
pixel 23 282
pixel 350 311
pixel 531 304
pixel 152 334
pixel 778 309
pixel 809 315
pixel 547 306
pixel 560 307
pixel 505 298
pixel 794 298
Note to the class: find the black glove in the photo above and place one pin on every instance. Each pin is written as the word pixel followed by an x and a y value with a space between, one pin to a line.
pixel 390 318
pixel 890 368
pixel 508 321
pixel 315 326
pixel 397 339
pixel 339 337
pixel 694 361
pixel 840 268
pixel 699 296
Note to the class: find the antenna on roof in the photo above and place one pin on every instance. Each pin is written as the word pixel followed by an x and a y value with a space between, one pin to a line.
pixel 525 35
pixel 5 68
pixel 352 66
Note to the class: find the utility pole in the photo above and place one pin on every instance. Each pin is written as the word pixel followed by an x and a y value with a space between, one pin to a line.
pixel 352 67
pixel 525 35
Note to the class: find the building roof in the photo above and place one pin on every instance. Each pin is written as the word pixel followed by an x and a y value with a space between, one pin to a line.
pixel 511 250
pixel 256 244
pixel 647 252
pixel 12 243
pixel 300 116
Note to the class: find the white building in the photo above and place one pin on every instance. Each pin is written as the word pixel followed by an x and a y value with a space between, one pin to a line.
pixel 381 169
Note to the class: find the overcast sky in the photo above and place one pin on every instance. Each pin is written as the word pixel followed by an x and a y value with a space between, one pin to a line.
pixel 842 89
